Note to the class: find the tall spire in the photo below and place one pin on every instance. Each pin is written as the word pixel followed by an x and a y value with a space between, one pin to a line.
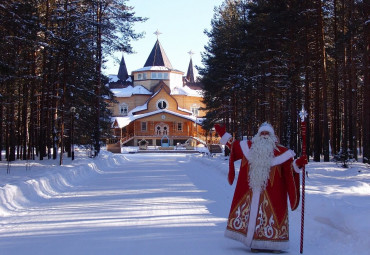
pixel 157 56
pixel 190 73
pixel 122 72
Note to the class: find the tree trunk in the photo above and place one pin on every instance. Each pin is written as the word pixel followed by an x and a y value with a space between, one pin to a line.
pixel 98 77
pixel 317 106
pixel 1 126
pixel 12 138
pixel 366 93
pixel 335 118
pixel 325 125
pixel 345 132
pixel 24 121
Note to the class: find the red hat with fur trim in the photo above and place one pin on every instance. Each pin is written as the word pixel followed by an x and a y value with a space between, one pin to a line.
pixel 266 127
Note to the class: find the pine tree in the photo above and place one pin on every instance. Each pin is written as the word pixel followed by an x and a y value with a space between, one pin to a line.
pixel 293 53
pixel 51 64
pixel 223 83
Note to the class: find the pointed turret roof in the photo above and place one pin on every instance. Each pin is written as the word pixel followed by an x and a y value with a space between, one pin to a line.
pixel 190 73
pixel 158 57
pixel 122 72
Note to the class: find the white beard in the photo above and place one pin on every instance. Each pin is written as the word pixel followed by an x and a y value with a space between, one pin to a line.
pixel 261 156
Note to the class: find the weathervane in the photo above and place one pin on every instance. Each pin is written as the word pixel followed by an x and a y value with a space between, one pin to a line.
pixel 157 33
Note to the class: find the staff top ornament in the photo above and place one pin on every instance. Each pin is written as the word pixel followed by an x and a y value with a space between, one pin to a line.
pixel 303 114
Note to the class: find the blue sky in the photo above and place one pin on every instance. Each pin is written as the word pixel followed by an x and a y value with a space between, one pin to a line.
pixel 181 23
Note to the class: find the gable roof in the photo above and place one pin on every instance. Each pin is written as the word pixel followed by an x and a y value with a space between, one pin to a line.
pixel 161 87
pixel 158 57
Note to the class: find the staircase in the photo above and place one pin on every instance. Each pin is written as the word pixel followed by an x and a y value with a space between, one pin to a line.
pixel 114 147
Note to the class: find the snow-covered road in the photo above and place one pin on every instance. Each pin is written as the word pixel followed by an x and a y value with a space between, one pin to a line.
pixel 163 204
pixel 139 204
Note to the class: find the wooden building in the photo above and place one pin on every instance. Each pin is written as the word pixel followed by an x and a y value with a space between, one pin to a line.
pixel 157 104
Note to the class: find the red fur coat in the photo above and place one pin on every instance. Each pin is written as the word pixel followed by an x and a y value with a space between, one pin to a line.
pixel 260 219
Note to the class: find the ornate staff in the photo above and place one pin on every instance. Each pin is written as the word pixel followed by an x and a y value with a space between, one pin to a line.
pixel 303 115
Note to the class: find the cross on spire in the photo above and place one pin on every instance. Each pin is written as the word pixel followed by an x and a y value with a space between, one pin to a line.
pixel 157 33
pixel 191 53
pixel 190 73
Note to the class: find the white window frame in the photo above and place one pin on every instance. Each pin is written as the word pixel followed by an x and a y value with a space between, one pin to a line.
pixel 161 129
pixel 195 109
pixel 159 75
pixel 123 109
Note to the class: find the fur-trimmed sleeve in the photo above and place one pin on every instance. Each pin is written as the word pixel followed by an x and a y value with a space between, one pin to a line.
pixel 235 154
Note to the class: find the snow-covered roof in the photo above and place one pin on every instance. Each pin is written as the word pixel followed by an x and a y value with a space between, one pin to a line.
pixel 138 109
pixel 153 68
pixel 124 121
pixel 156 68
pixel 184 110
pixel 113 78
pixel 186 91
pixel 130 90
pixel 141 90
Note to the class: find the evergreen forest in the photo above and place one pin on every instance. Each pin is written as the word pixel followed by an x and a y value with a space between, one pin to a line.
pixel 52 91
pixel 266 59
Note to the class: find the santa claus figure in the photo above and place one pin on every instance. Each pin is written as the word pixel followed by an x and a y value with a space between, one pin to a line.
pixel 268 175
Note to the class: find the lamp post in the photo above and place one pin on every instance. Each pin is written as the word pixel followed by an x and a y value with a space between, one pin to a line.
pixel 73 111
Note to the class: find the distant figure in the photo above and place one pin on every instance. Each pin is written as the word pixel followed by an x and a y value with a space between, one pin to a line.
pixel 268 174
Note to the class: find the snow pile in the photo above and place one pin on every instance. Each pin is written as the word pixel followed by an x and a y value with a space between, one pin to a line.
pixel 40 181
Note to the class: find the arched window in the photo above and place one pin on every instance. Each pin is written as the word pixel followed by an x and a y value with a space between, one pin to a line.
pixel 161 129
pixel 162 104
